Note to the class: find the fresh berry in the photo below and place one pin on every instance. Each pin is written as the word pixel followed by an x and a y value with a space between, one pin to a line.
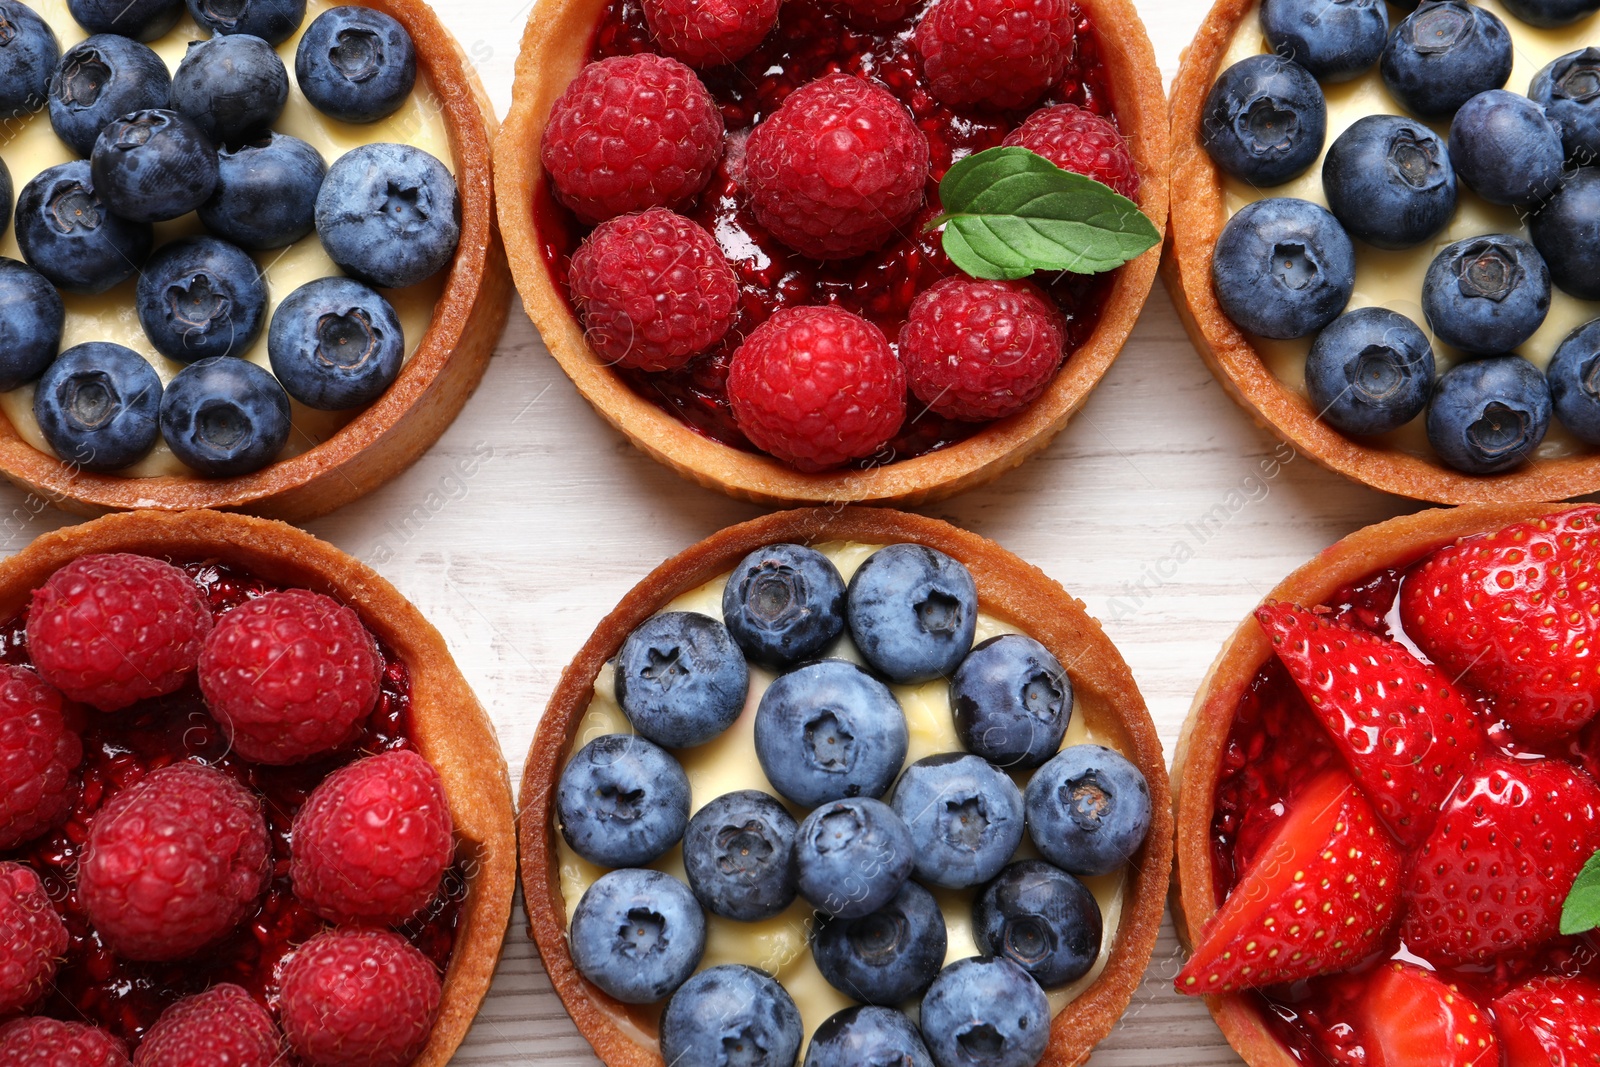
pixel 336 344
pixel 67 233
pixel 1552 1021
pixel 994 54
pixel 32 938
pixel 875 14
pixel 784 604
pixel 867 1035
pixel 637 935
pixel 1370 371
pixel 988 1004
pixel 1389 181
pixel 1078 140
pixel 838 169
pixel 888 956
pixel 1513 613
pixel 97 406
pixel 389 214
pixel 1550 13
pixel 1489 415
pixel 1042 919
pixel 356 64
pixel 290 676
pixel 1011 701
pixel 738 854
pixel 913 612
pixel 852 857
pixel 965 818
pixel 681 679
pixel 31 319
pixel 1442 55
pixel 817 387
pixel 1406 1016
pixel 174 862
pixel 373 840
pixel 622 801
pixel 731 1014
pixel 1486 295
pixel 1283 268
pixel 709 33
pixel 110 630
pixel 143 20
pixel 40 752
pixel 41 1042
pixel 274 21
pixel 225 417
pixel 1088 810
pixel 1566 231
pixel 233 87
pixel 1405 732
pixel 199 297
pixel 1503 146
pixel 830 730
pixel 1335 42
pixel 29 52
pixel 653 290
pixel 1574 385
pixel 1321 896
pixel 1569 91
pixel 99 81
pixel 221 1026
pixel 1491 878
pixel 266 194
pixel 631 133
pixel 358 998
pixel 1265 120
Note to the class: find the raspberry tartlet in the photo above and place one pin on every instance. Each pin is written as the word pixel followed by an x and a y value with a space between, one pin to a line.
pixel 811 165
pixel 828 940
pixel 342 893
pixel 1385 796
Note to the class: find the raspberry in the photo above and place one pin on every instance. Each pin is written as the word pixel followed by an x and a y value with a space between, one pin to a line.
pixel 173 863
pixel 110 630
pixel 358 998
pixel 32 938
pixel 654 290
pixel 220 1026
pixel 290 675
pixel 709 33
pixel 875 14
pixel 40 1042
pixel 630 133
pixel 977 350
pixel 1001 54
pixel 1082 142
pixel 817 387
pixel 837 169
pixel 373 840
pixel 39 757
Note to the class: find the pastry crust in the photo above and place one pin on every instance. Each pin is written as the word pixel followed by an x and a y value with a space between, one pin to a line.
pixel 1205 733
pixel 554 49
pixel 448 725
pixel 1008 589
pixel 391 434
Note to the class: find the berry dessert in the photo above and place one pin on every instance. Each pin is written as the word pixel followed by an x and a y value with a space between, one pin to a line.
pixel 1388 816
pixel 242 272
pixel 916 834
pixel 770 247
pixel 1390 236
pixel 281 842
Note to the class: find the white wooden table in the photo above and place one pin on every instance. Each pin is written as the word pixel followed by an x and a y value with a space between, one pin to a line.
pixel 1150 507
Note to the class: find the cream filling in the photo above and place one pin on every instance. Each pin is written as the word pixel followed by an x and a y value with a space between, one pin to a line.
pixel 33 146
pixel 1394 279
pixel 779 945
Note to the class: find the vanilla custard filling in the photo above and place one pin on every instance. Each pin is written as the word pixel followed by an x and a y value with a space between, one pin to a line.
pixel 728 763
pixel 1394 279
pixel 32 145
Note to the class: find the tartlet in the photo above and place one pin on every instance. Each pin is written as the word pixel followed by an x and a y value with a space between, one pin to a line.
pixel 1009 589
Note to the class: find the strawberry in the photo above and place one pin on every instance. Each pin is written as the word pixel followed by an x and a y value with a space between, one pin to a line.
pixel 1491 878
pixel 1551 1022
pixel 1319 898
pixel 1404 731
pixel 1407 1017
pixel 1517 614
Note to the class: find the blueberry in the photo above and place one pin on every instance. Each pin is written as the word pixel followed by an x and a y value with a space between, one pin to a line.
pixel 1444 54
pixel 887 956
pixel 1011 701
pixel 97 406
pixel 7 193
pixel 151 166
pixel 274 21
pixel 143 20
pixel 965 818
pixel 233 87
pixel 867 1037
pixel 335 344
pixel 1265 120
pixel 1504 147
pixel 70 236
pixel 830 730
pixel 266 194
pixel 1489 415
pixel 100 80
pixel 1088 810
pixel 1551 12
pixel 1335 40
pixel 731 1016
pixel 681 679
pixel 1370 371
pixel 1283 268
pixel 31 319
pixel 1486 294
pixel 985 1010
pixel 1569 91
pixel 356 64
pixel 1574 375
pixel 912 611
pixel 784 604
pixel 225 416
pixel 852 857
pixel 1040 918
pixel 200 297
pixel 637 934
pixel 622 801
pixel 1566 231
pixel 739 856
pixel 29 52
pixel 1389 181
pixel 389 215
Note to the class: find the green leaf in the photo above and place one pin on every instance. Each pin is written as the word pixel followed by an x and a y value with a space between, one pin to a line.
pixel 1009 212
pixel 1582 910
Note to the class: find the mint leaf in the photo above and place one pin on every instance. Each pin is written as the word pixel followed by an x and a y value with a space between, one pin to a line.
pixel 1009 212
pixel 1582 910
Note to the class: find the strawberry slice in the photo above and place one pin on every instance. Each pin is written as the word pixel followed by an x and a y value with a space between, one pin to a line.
pixel 1319 898
pixel 1517 614
pixel 1404 731
pixel 1491 878
pixel 1407 1017
pixel 1551 1022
